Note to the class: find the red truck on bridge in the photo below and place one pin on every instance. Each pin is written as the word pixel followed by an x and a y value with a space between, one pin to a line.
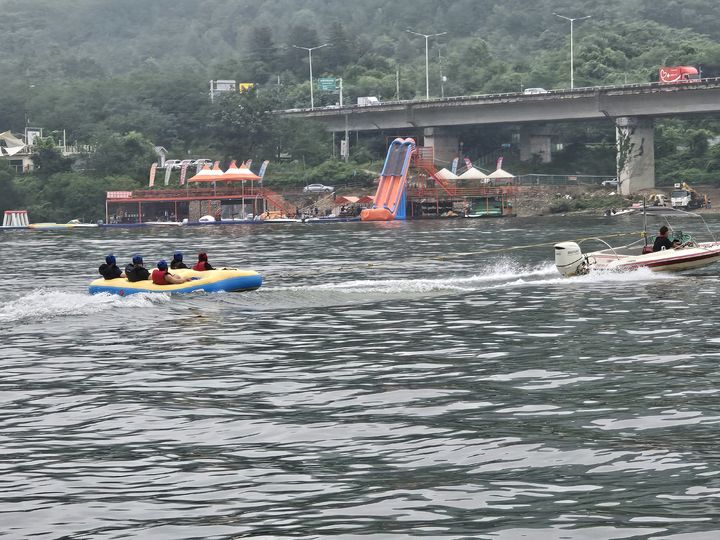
pixel 679 75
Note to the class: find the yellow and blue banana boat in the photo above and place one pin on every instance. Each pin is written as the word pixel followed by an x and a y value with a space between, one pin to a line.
pixel 219 280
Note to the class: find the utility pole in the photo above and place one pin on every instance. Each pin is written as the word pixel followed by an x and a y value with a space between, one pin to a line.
pixel 427 58
pixel 572 61
pixel 397 83
pixel 310 50
pixel 346 155
pixel 442 77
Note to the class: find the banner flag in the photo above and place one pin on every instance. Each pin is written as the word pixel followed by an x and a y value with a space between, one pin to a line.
pixel 499 162
pixel 168 172
pixel 153 169
pixel 183 172
pixel 263 167
pixel 248 163
pixel 455 164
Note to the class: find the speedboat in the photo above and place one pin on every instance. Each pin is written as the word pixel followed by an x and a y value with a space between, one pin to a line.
pixel 687 254
pixel 624 211
pixel 571 261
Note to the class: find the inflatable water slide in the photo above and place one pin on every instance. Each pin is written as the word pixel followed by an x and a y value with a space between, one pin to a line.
pixel 391 192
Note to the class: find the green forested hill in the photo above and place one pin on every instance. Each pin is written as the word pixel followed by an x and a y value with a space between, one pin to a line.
pixel 131 53
pixel 89 38
pixel 117 70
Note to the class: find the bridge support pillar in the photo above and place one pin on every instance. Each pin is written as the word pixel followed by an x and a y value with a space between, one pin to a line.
pixel 445 145
pixel 535 142
pixel 635 139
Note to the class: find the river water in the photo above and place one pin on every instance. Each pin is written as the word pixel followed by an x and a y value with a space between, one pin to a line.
pixel 387 381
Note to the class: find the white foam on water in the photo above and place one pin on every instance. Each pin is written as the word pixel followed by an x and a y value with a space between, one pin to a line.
pixel 504 274
pixel 503 271
pixel 43 304
pixel 595 278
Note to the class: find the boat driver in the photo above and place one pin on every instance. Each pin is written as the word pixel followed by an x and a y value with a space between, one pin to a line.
pixel 662 241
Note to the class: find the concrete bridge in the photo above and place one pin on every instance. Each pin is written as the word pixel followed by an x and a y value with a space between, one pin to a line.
pixel 632 108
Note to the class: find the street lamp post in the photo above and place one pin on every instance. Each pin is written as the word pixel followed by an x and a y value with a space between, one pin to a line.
pixel 572 65
pixel 427 59
pixel 310 50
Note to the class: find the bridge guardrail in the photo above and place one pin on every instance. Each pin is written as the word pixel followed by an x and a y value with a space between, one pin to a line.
pixel 550 93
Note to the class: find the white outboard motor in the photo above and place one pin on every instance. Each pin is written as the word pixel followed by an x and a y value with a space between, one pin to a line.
pixel 570 260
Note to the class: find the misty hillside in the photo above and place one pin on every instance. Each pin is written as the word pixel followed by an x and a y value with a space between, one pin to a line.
pixel 93 67
pixel 50 39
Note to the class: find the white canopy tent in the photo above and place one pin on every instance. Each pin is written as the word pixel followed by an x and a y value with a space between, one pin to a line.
pixel 446 174
pixel 473 174
pixel 500 173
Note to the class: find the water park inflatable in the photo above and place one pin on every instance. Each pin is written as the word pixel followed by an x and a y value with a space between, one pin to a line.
pixel 223 279
pixel 389 202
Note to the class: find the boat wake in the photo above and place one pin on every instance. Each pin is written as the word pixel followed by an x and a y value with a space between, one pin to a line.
pixel 43 304
pixel 506 274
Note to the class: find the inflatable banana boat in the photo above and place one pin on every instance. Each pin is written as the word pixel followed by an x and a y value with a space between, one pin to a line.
pixel 223 279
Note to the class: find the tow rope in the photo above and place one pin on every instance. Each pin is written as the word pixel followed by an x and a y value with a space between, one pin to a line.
pixel 540 244
pixel 370 264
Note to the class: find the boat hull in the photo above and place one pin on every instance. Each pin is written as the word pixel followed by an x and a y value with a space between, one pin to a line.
pixel 670 260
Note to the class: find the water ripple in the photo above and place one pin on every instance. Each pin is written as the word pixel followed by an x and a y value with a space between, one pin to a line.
pixel 375 386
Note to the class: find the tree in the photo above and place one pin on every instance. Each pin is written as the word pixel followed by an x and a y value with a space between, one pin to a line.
pixel 305 140
pixel 296 60
pixel 48 158
pixel 242 123
pixel 10 198
pixel 342 53
pixel 263 55
pixel 130 154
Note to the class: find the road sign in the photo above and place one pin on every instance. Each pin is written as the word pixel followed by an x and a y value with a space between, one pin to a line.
pixel 327 83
